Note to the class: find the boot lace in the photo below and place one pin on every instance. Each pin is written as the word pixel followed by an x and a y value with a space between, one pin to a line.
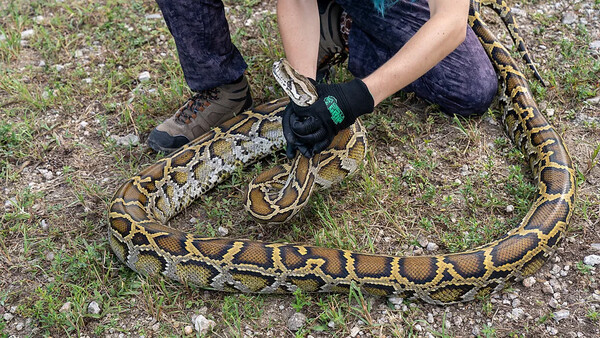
pixel 195 105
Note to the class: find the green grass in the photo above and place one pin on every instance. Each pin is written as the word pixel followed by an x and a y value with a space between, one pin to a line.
pixel 53 247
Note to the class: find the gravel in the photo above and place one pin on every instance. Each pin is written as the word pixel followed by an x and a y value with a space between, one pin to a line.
pixel 296 321
pixel 94 308
pixel 202 324
pixel 591 260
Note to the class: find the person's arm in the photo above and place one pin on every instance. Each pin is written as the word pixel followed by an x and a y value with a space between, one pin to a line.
pixel 298 22
pixel 438 37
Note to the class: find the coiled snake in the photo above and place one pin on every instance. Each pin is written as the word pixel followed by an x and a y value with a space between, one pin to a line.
pixel 140 208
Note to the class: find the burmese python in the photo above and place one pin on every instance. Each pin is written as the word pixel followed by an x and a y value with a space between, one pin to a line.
pixel 140 208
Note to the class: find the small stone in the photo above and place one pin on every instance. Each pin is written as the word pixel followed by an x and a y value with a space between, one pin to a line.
pixel 26 34
pixel 529 281
pixel 203 325
pixel 83 124
pixel 555 269
pixel 560 315
pixel 422 241
pixel 432 246
pixel 156 327
pixel 547 288
pixel 552 330
pixel 42 63
pixel 66 307
pixel 20 326
pixel 296 321
pixel 517 313
pixel 38 19
pixel 88 80
pixel 510 208
pixel 79 53
pixel 94 308
pixel 516 302
pixel 430 318
pixel 2 37
pixel 8 317
pixel 550 112
pixel 223 231
pixel 331 324
pixel 594 100
pixel 591 260
pixel 50 256
pixel 418 327
pixel 44 225
pixel 153 16
pixel 396 300
pixel 476 331
pixel 127 140
pixel 595 44
pixel 144 76
pixel 553 303
pixel 47 174
pixel 595 246
pixel 59 68
pixel 569 18
pixel 354 331
pixel 188 330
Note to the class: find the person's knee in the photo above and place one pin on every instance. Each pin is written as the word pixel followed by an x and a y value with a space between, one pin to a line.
pixel 476 98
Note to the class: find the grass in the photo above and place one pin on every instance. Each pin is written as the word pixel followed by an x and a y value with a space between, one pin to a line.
pixel 74 84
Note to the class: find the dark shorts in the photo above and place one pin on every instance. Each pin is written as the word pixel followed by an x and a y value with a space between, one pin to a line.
pixel 463 83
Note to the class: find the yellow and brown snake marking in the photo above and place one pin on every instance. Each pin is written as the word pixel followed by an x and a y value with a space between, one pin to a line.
pixel 141 207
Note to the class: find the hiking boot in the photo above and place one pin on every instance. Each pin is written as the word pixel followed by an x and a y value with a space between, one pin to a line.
pixel 332 47
pixel 206 109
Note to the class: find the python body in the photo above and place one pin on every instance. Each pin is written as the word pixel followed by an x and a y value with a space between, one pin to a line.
pixel 142 206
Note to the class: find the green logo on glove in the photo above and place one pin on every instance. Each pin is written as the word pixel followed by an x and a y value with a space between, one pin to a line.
pixel 336 113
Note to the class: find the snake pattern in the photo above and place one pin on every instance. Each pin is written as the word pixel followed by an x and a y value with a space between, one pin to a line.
pixel 141 207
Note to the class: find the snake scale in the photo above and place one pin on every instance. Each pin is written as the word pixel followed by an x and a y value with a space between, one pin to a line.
pixel 141 207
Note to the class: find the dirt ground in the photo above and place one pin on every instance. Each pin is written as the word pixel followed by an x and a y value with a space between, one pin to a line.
pixel 76 108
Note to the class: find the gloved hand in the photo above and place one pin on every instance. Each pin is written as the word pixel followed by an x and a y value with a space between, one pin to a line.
pixel 311 129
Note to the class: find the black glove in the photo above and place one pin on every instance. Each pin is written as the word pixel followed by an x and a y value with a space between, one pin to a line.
pixel 292 142
pixel 339 105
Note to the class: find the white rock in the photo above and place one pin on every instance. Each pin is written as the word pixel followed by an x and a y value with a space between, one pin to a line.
pixel 20 326
pixel 547 288
pixel 553 303
pixel 592 260
pixel 552 330
pixel 66 307
pixel 354 331
pixel 156 327
pixel 8 317
pixel 510 208
pixel 517 313
pixel 422 241
pixel 83 124
pixel 569 18
pixel 593 100
pixel 595 246
pixel 529 281
pixel 59 68
pixel 79 53
pixel 94 308
pixel 188 330
pixel 127 140
pixel 296 321
pixel 44 225
pixel 38 19
pixel 47 174
pixel 88 80
pixel 432 246
pixel 223 231
pixel 2 37
pixel 144 76
pixel 203 325
pixel 396 300
pixel 562 314
pixel 26 34
pixel 153 16
pixel 550 112
pixel 595 44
